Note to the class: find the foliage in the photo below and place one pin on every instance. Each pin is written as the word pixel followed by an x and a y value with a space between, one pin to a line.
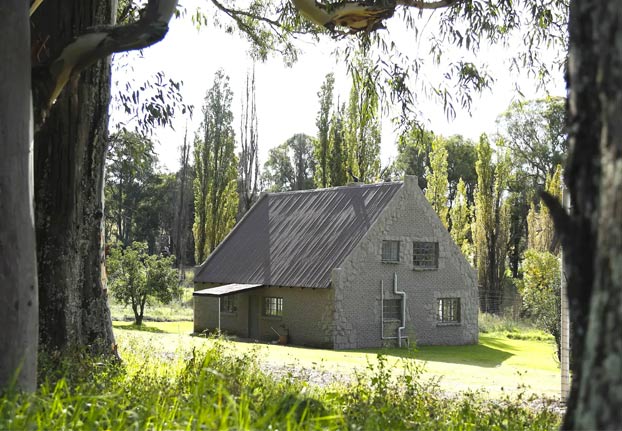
pixel 146 105
pixel 322 151
pixel 137 278
pixel 461 158
pixel 130 165
pixel 542 236
pixel 535 133
pixel 460 214
pixel 184 215
pixel 436 176
pixel 338 149
pixel 491 223
pixel 540 288
pixel 213 388
pixel 291 165
pixel 215 194
pixel 362 128
pixel 414 147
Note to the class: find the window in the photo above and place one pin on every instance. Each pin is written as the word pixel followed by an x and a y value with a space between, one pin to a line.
pixel 272 306
pixel 228 304
pixel 449 310
pixel 390 251
pixel 425 255
pixel 392 309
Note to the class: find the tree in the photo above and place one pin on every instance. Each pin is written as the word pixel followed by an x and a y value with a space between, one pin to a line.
pixel 215 195
pixel 182 234
pixel 337 144
pixel 591 232
pixel 460 215
pixel 436 175
pixel 542 235
pixel 18 267
pixel 461 157
pixel 70 141
pixel 67 38
pixel 322 149
pixel 413 149
pixel 491 220
pixel 363 125
pixel 248 168
pixel 136 278
pixel 540 289
pixel 131 164
pixel 535 133
pixel 155 213
pixel 291 165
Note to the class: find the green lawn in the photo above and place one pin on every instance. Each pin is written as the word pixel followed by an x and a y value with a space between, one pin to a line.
pixel 497 364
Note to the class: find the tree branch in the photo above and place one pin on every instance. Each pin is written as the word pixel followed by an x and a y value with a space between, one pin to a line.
pixel 99 42
pixel 426 5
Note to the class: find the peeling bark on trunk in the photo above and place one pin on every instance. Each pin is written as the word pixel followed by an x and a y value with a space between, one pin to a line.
pixel 592 234
pixel 18 271
pixel 69 160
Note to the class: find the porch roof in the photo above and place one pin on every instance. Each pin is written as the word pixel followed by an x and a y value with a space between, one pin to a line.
pixel 227 289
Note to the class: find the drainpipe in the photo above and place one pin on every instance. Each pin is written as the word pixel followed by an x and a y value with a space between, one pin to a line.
pixel 403 295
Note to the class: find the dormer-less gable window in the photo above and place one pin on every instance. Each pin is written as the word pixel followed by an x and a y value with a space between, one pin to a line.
pixel 425 255
pixel 390 251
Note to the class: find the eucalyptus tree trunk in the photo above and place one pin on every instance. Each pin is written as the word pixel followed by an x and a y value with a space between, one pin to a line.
pixel 592 232
pixel 69 164
pixel 18 269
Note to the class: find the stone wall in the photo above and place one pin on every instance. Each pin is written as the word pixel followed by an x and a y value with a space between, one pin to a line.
pixel 357 284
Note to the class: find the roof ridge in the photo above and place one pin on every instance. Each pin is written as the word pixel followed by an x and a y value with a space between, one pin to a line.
pixel 348 186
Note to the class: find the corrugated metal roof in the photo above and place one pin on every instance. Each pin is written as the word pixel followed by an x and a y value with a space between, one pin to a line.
pixel 297 238
pixel 225 290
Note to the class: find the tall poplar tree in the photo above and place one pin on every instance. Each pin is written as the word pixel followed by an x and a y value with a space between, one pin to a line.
pixel 437 183
pixel 215 195
pixel 323 123
pixel 491 223
pixel 338 149
pixel 248 167
pixel 460 215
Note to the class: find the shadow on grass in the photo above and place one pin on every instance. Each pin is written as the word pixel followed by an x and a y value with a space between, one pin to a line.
pixel 489 353
pixel 134 327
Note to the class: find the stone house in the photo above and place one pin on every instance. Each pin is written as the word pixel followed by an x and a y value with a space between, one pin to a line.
pixel 365 265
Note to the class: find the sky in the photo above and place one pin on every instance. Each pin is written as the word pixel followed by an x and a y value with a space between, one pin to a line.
pixel 287 101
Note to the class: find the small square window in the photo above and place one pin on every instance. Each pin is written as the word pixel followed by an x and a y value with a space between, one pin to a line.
pixel 390 251
pixel 425 255
pixel 273 306
pixel 449 310
pixel 228 304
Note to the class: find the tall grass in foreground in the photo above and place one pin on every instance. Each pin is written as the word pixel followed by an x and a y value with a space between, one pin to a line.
pixel 212 389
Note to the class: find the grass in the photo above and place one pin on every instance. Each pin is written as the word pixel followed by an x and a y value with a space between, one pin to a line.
pixel 214 387
pixel 497 364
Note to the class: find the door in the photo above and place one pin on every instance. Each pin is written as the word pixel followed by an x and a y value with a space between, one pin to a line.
pixel 254 306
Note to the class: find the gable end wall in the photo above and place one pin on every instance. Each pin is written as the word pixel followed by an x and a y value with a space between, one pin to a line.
pixel 357 284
